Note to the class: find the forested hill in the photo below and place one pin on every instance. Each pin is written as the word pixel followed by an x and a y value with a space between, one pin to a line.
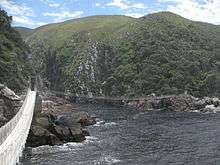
pixel 160 53
pixel 14 65
pixel 24 32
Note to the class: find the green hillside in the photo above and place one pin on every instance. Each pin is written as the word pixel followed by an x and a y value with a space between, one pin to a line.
pixel 14 64
pixel 25 32
pixel 160 53
pixel 97 27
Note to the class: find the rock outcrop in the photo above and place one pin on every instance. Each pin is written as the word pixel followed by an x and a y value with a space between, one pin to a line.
pixel 176 103
pixel 57 122
pixel 10 103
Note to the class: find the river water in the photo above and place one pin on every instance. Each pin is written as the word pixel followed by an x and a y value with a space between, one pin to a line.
pixel 124 136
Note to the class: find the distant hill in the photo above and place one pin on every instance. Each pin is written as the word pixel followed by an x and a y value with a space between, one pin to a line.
pixel 160 53
pixel 15 68
pixel 25 32
pixel 98 27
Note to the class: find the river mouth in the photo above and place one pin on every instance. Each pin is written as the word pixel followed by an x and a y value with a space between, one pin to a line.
pixel 127 136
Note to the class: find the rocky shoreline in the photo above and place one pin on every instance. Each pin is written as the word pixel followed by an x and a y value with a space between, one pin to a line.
pixel 56 120
pixel 181 102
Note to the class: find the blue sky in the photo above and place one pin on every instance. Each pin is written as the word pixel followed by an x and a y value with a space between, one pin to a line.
pixel 34 13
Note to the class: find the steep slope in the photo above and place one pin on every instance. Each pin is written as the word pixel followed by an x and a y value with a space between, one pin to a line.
pixel 160 53
pixel 66 53
pixel 171 55
pixel 14 65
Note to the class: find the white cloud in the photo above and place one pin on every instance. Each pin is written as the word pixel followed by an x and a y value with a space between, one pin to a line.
pixel 64 15
pixel 198 10
pixel 26 21
pixel 23 20
pixel 125 4
pixel 97 4
pixel 22 15
pixel 135 15
pixel 54 4
pixel 51 3
pixel 15 9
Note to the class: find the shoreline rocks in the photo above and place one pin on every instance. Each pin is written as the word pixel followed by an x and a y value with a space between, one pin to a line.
pixel 176 103
pixel 56 122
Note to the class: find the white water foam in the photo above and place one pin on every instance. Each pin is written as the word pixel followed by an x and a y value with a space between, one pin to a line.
pixel 75 144
pixel 99 123
pixel 110 160
pixel 110 124
pixel 90 139
pixel 65 147
pixel 103 123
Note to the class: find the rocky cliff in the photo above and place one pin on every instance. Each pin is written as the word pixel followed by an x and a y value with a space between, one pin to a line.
pixel 10 103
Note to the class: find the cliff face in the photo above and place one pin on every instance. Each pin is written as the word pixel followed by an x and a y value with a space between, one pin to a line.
pixel 161 53
pixel 10 104
pixel 14 61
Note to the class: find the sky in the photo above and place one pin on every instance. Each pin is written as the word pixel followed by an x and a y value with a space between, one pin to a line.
pixel 35 13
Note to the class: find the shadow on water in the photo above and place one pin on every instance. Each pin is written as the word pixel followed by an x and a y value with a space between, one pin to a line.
pixel 127 136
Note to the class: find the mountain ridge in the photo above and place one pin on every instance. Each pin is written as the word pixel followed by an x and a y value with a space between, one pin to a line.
pixel 160 53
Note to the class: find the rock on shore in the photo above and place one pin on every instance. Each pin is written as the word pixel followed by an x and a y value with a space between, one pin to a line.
pixel 176 103
pixel 57 122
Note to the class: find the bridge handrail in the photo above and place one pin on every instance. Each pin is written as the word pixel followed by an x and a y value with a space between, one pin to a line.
pixel 6 130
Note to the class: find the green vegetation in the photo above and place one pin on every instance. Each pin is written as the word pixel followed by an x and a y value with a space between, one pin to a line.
pixel 161 53
pixel 25 32
pixel 14 65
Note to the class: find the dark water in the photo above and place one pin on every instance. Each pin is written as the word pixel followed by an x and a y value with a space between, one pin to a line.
pixel 131 137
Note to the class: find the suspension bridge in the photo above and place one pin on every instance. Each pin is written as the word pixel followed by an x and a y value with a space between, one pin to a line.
pixel 13 135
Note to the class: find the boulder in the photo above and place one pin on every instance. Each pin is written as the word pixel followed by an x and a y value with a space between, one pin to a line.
pixel 200 104
pixel 69 134
pixel 85 132
pixel 216 102
pixel 8 93
pixel 70 119
pixel 43 122
pixel 40 136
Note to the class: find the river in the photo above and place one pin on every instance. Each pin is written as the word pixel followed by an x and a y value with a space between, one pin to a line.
pixel 126 136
